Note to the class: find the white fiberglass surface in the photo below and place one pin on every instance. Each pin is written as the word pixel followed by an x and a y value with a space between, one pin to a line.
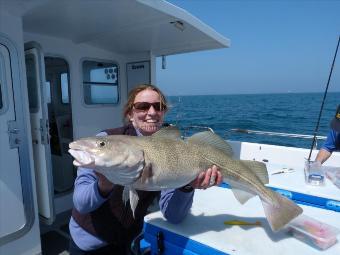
pixel 123 26
pixel 278 158
pixel 213 207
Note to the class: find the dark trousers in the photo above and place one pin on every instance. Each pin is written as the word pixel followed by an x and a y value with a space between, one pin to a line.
pixel 106 250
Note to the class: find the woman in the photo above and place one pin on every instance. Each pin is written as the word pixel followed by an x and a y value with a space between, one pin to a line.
pixel 101 222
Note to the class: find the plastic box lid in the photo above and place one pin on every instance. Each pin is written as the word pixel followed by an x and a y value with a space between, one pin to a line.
pixel 333 174
pixel 319 234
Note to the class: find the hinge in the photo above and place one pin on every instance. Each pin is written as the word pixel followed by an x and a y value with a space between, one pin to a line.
pixel 44 131
pixel 13 134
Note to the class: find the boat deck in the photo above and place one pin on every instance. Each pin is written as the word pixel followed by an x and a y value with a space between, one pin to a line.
pixel 55 238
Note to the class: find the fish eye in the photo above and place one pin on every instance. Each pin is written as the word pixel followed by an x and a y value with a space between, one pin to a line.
pixel 102 144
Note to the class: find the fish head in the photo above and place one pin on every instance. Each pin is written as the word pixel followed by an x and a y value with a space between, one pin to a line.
pixel 116 157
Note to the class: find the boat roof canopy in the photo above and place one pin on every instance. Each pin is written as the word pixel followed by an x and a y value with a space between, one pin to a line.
pixel 123 26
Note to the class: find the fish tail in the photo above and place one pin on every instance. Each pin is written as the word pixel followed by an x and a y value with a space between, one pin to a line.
pixel 281 212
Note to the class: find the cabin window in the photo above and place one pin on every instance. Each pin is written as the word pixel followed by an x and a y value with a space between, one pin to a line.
pixel 64 88
pixel 33 94
pixel 100 82
pixel 48 92
pixel 59 107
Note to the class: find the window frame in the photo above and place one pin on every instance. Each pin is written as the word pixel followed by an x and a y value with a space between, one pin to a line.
pixel 66 60
pixel 49 95
pixel 68 86
pixel 1 101
pixel 3 88
pixel 37 95
pixel 118 86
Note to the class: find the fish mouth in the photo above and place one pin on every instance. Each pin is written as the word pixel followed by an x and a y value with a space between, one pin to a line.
pixel 81 158
pixel 80 155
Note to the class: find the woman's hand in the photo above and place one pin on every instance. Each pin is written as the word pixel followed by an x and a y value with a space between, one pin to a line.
pixel 211 177
pixel 104 185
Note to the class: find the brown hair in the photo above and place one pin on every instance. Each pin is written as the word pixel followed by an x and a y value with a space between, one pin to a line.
pixel 133 93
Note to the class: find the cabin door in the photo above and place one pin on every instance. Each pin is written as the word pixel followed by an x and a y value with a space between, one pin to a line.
pixel 35 72
pixel 60 122
pixel 16 190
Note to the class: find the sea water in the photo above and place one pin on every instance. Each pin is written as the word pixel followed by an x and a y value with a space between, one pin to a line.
pixel 295 113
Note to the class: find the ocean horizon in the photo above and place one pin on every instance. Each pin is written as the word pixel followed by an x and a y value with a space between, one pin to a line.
pixel 261 93
pixel 293 113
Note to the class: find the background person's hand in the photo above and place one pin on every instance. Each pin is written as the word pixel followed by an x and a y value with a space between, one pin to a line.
pixel 211 177
pixel 104 185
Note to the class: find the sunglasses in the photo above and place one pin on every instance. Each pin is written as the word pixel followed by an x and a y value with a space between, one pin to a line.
pixel 145 106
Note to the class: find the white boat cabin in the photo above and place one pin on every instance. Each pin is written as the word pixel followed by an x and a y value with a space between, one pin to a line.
pixel 65 71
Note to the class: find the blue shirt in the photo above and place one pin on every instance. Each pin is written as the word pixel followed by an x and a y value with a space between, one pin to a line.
pixel 332 142
pixel 174 205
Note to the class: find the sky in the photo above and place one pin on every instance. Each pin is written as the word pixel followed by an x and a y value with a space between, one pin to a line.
pixel 276 47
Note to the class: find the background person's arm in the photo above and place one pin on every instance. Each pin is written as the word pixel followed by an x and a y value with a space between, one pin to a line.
pixel 327 148
pixel 323 155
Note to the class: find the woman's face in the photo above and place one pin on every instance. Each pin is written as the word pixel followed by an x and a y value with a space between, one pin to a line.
pixel 149 120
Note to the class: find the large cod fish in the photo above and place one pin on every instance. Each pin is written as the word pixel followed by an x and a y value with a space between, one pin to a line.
pixel 165 160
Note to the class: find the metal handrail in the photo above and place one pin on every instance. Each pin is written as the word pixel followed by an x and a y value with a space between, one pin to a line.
pixel 249 131
pixel 190 128
pixel 257 132
pixel 197 127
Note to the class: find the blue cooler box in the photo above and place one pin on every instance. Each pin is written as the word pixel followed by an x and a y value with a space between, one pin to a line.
pixel 203 231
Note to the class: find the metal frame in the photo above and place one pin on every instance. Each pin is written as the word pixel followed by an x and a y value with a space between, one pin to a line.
pixel 257 132
pixel 4 93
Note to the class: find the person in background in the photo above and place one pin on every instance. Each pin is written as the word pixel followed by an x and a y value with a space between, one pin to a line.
pixel 101 223
pixel 332 142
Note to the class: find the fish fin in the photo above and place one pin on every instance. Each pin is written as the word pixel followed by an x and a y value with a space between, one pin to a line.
pixel 281 213
pixel 208 137
pixel 125 194
pixel 147 173
pixel 170 132
pixel 241 195
pixel 258 168
pixel 130 193
pixel 133 200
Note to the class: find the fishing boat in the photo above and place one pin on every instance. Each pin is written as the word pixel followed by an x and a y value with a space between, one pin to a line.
pixel 65 71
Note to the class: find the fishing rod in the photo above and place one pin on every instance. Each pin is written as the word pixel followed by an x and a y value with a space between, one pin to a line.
pixel 323 101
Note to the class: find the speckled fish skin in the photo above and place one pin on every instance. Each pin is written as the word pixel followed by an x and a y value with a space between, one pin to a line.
pixel 166 161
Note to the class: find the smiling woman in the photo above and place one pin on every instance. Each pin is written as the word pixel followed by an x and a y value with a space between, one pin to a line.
pixel 148 109
pixel 101 221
